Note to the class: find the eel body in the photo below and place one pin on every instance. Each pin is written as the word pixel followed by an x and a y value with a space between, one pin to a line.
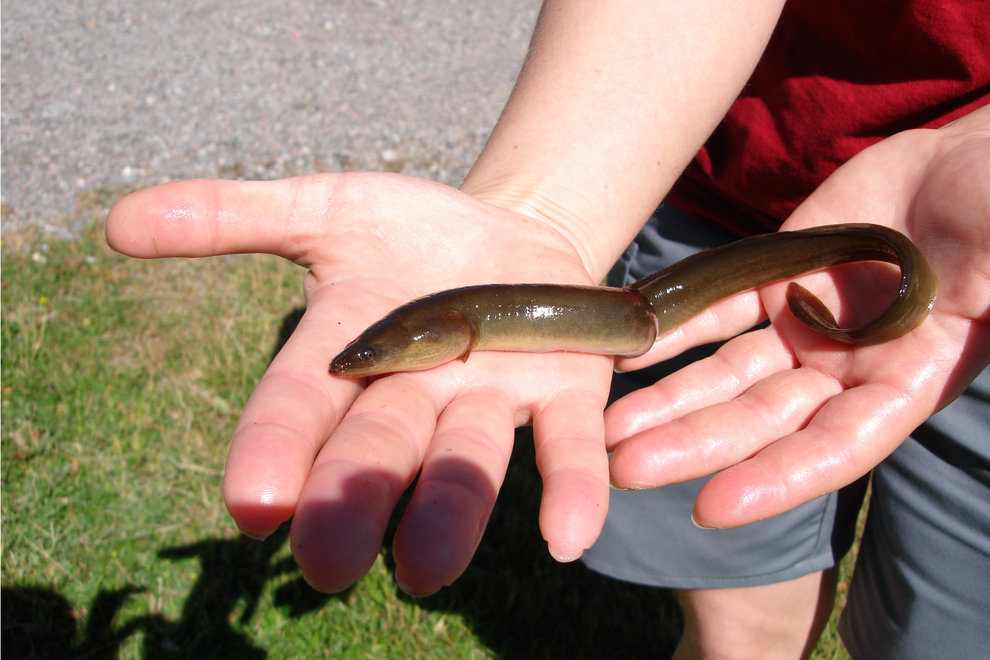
pixel 625 322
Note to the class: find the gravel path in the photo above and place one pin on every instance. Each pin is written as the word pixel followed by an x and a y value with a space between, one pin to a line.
pixel 105 94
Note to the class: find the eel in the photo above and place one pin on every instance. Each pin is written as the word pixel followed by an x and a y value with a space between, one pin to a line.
pixel 625 322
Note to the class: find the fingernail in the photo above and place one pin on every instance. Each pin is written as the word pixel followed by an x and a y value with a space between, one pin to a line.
pixel 256 536
pixel 564 559
pixel 407 591
pixel 615 486
pixel 694 521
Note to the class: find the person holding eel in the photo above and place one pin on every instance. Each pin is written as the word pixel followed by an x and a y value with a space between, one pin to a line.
pixel 737 474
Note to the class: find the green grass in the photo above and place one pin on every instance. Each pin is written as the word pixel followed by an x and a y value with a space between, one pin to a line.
pixel 122 381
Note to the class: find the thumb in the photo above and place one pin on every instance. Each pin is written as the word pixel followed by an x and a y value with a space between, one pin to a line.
pixel 204 217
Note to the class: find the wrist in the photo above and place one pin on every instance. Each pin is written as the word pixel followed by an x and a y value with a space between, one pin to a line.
pixel 608 110
pixel 569 217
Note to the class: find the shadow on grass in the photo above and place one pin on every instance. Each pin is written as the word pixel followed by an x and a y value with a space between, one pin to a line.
pixel 515 597
pixel 41 623
pixel 517 600
pixel 523 604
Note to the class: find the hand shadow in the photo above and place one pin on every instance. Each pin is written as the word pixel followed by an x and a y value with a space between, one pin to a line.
pixel 517 599
pixel 522 603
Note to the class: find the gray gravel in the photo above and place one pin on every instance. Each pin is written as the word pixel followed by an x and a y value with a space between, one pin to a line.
pixel 116 94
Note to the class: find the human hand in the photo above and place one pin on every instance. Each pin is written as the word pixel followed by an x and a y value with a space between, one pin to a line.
pixel 782 415
pixel 335 454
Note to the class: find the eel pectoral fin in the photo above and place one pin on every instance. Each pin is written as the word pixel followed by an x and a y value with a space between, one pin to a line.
pixel 473 335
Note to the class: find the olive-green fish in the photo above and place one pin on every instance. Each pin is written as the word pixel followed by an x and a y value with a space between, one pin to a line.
pixel 625 322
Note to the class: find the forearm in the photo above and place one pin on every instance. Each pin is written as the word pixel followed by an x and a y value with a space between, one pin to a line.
pixel 976 122
pixel 613 101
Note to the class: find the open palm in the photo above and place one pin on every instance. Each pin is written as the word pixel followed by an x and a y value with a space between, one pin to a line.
pixel 782 415
pixel 336 454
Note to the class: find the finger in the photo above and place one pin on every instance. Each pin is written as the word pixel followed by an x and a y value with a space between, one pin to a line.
pixel 850 435
pixel 715 437
pixel 357 479
pixel 570 455
pixel 456 492
pixel 729 372
pixel 202 217
pixel 284 424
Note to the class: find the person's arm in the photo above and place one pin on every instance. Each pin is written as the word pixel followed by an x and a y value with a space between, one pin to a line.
pixel 614 100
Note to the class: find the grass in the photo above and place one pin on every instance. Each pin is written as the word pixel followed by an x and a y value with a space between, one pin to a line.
pixel 122 381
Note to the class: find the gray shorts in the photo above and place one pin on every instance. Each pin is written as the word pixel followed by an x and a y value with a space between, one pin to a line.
pixel 921 586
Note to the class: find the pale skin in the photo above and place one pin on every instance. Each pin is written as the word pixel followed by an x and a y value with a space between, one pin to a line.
pixel 781 415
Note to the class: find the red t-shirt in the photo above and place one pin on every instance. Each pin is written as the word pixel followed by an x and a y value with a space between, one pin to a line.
pixel 837 76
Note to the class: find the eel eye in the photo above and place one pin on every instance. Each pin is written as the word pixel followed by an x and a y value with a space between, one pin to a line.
pixel 366 354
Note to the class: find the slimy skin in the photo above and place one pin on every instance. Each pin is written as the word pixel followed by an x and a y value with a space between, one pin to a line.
pixel 538 318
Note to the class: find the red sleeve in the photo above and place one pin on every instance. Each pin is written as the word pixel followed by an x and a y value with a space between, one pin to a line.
pixel 837 76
